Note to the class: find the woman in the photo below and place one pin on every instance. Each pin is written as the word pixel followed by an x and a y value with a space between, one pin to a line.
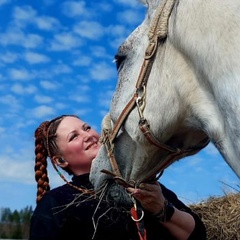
pixel 74 211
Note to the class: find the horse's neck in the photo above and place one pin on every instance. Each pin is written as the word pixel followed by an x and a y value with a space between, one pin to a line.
pixel 209 44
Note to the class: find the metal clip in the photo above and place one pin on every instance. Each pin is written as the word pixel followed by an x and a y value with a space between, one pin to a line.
pixel 136 211
pixel 140 102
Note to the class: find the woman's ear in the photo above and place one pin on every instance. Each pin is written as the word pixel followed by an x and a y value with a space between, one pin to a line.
pixel 60 161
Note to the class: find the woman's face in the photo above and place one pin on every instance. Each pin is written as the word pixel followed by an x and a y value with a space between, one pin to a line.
pixel 78 144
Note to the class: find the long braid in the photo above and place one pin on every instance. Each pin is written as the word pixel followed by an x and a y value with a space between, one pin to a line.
pixel 41 175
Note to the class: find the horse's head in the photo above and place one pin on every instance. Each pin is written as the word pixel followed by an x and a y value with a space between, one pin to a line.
pixel 165 97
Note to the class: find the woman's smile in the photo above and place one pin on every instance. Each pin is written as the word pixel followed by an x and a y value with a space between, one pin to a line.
pixel 92 145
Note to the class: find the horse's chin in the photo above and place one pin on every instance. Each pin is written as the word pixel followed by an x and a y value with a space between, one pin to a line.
pixel 117 195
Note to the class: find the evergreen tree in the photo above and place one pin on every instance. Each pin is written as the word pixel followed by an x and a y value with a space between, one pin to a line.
pixel 15 224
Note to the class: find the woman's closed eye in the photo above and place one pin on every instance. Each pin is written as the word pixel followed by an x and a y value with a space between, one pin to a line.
pixel 74 135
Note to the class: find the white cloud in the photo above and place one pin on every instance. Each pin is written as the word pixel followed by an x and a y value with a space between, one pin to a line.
pixel 2 130
pixel 11 105
pixel 82 89
pixel 1 78
pixel 80 98
pixel 98 51
pixel 132 17
pixel 131 3
pixel 116 30
pixel 20 89
pixel 81 112
pixel 102 72
pixel 89 29
pixel 21 182
pixel 47 23
pixel 20 170
pixel 65 41
pixel 83 61
pixel 35 58
pixel 61 68
pixel 49 2
pixel 43 111
pixel 49 85
pixel 74 8
pixel 43 99
pixel 24 13
pixel 19 74
pixel 33 41
pixel 105 6
pixel 105 98
pixel 9 100
pixel 60 106
pixel 14 36
pixel 9 57
pixel 2 2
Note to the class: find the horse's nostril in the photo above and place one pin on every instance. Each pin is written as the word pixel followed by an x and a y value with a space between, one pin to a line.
pixel 117 194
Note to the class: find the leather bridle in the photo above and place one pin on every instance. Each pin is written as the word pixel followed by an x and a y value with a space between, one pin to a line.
pixel 157 34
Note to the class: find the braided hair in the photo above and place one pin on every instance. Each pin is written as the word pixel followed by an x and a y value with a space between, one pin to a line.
pixel 45 146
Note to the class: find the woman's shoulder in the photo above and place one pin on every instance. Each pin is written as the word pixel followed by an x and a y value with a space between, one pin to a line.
pixel 58 199
pixel 56 196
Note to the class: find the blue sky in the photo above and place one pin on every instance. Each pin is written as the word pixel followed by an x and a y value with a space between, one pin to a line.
pixel 57 58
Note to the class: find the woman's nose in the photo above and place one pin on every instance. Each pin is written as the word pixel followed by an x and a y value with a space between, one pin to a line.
pixel 86 136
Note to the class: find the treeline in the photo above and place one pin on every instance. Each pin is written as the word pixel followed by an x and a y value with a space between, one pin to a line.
pixel 15 224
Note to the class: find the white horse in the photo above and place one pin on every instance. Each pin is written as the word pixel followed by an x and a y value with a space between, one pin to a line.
pixel 189 94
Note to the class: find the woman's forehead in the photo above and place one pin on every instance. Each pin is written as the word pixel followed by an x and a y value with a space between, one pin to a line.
pixel 69 123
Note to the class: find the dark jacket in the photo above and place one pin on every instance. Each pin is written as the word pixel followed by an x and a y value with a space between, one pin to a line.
pixel 65 213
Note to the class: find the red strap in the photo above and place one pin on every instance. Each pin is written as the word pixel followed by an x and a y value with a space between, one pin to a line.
pixel 137 216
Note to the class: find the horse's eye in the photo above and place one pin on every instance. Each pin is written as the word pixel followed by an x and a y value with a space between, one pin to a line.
pixel 119 61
